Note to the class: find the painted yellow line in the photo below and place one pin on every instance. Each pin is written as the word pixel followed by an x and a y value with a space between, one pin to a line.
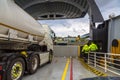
pixel 79 51
pixel 65 70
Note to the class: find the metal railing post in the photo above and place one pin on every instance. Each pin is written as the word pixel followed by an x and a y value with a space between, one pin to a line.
pixel 105 63
pixel 95 59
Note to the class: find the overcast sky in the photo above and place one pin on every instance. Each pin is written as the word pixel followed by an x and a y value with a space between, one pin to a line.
pixel 80 26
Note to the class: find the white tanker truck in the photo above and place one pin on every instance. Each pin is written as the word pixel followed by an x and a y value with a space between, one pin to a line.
pixel 23 42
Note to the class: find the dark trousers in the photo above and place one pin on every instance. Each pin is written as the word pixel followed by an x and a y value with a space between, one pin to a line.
pixel 85 57
pixel 82 55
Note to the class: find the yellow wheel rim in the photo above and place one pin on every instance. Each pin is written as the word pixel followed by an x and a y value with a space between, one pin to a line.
pixel 16 71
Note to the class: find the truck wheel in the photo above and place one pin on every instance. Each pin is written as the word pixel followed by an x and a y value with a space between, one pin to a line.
pixel 50 57
pixel 34 62
pixel 16 69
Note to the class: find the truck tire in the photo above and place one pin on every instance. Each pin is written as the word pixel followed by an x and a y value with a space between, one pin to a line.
pixel 34 63
pixel 16 69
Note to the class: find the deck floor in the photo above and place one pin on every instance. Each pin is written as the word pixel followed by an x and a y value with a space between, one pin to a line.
pixel 55 70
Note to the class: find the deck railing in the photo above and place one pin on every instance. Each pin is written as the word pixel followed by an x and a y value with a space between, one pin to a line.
pixel 106 61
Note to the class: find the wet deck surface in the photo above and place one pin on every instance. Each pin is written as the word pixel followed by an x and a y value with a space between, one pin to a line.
pixel 55 70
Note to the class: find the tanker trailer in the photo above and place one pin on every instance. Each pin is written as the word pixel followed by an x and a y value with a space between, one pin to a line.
pixel 20 37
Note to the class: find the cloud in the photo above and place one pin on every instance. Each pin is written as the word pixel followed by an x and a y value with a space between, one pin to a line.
pixel 106 14
pixel 80 26
pixel 103 3
pixel 108 7
pixel 72 27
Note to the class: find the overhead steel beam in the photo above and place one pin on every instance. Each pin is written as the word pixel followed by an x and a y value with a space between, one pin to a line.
pixel 70 8
pixel 34 2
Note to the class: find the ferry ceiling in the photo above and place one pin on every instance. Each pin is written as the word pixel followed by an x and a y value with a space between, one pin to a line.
pixel 61 9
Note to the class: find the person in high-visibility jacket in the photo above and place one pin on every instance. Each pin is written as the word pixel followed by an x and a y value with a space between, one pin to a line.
pixel 93 47
pixel 85 52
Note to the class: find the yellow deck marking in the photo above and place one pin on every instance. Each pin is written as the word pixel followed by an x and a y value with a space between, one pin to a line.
pixel 65 70
pixel 92 69
pixel 79 51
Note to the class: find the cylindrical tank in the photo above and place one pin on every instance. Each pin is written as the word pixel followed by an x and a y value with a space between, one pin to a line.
pixel 13 17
